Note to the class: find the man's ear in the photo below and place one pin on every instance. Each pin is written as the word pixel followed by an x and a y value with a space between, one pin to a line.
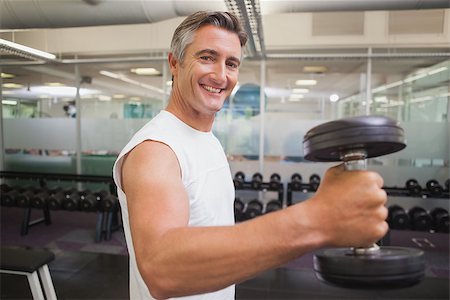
pixel 173 63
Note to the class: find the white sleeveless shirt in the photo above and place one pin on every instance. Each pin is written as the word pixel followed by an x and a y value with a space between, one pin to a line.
pixel 205 175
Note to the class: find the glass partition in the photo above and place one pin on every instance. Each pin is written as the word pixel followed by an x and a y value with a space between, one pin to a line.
pixel 41 109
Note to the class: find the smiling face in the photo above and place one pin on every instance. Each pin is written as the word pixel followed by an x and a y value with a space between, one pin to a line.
pixel 207 74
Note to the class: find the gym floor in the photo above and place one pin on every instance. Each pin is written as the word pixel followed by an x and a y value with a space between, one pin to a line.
pixel 84 269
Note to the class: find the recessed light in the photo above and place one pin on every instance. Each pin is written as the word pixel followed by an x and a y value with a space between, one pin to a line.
pixel 306 82
pixel 146 71
pixel 302 91
pixel 6 75
pixel 11 85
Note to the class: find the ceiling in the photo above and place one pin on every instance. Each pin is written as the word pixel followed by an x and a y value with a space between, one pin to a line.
pixel 340 73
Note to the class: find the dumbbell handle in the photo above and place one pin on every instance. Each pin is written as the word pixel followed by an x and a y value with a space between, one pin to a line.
pixel 356 160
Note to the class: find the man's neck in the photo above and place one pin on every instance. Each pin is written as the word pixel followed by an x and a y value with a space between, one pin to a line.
pixel 194 119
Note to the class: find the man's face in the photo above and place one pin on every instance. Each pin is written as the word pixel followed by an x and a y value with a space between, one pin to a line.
pixel 209 70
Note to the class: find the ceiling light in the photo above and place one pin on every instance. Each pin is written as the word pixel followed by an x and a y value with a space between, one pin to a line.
pixel 24 50
pixel 296 96
pixel 306 82
pixel 110 74
pixel 54 84
pixel 146 71
pixel 437 70
pixel 302 91
pixel 314 69
pixel 9 102
pixel 104 98
pixel 135 98
pixel 12 85
pixel 118 96
pixel 334 97
pixel 6 75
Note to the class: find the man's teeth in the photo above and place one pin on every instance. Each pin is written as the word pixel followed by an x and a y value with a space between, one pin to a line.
pixel 211 89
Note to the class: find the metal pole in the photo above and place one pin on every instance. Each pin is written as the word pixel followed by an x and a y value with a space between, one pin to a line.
pixel 2 145
pixel 78 118
pixel 164 84
pixel 262 108
pixel 368 81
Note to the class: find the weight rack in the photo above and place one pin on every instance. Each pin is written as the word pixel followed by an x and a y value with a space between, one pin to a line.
pixel 107 221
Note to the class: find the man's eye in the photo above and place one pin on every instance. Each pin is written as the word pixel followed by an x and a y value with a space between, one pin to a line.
pixel 232 65
pixel 206 58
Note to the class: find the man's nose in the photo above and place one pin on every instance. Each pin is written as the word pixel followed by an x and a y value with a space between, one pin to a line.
pixel 220 72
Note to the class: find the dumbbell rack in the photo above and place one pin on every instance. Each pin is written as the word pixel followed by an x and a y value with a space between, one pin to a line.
pixel 291 189
pixel 263 187
pixel 107 221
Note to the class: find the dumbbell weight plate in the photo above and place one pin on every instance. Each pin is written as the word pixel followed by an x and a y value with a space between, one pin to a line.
pixel 377 135
pixel 390 267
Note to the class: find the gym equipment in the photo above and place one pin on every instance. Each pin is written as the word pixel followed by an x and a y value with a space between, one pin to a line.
pixel 38 200
pixel 296 181
pixel 257 180
pixel 440 219
pixel 8 195
pixel 314 182
pixel 353 140
pixel 275 181
pixel 398 218
pixel 57 196
pixel 434 187
pixel 413 187
pixel 273 205
pixel 447 182
pixel 88 202
pixel 420 219
pixel 23 199
pixel 239 179
pixel 253 210
pixel 238 210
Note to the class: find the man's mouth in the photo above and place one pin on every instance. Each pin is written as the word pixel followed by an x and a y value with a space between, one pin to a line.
pixel 211 89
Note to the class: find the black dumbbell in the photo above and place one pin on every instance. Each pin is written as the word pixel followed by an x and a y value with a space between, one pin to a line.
pixel 314 182
pixel 398 218
pixel 296 181
pixel 254 208
pixel 57 196
pixel 434 187
pixel 447 182
pixel 420 219
pixel 23 199
pixel 39 200
pixel 238 210
pixel 109 203
pixel 88 202
pixel 239 179
pixel 440 219
pixel 257 180
pixel 413 187
pixel 8 195
pixel 353 140
pixel 273 205
pixel 275 181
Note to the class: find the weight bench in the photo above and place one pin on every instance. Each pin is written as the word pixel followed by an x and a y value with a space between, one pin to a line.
pixel 33 264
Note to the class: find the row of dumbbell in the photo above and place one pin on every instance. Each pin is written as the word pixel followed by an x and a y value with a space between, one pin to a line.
pixel 57 198
pixel 432 186
pixel 419 219
pixel 411 188
pixel 274 183
pixel 253 208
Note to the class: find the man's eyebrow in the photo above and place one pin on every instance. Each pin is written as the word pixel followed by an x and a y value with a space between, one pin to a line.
pixel 206 51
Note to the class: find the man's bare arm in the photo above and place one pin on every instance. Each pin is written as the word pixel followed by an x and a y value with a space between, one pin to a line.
pixel 176 260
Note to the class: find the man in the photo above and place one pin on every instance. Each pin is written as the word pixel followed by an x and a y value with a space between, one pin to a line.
pixel 176 191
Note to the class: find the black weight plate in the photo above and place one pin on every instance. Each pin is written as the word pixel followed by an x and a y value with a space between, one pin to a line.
pixel 377 135
pixel 390 267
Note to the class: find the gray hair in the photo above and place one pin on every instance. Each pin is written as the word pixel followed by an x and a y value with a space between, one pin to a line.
pixel 184 34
